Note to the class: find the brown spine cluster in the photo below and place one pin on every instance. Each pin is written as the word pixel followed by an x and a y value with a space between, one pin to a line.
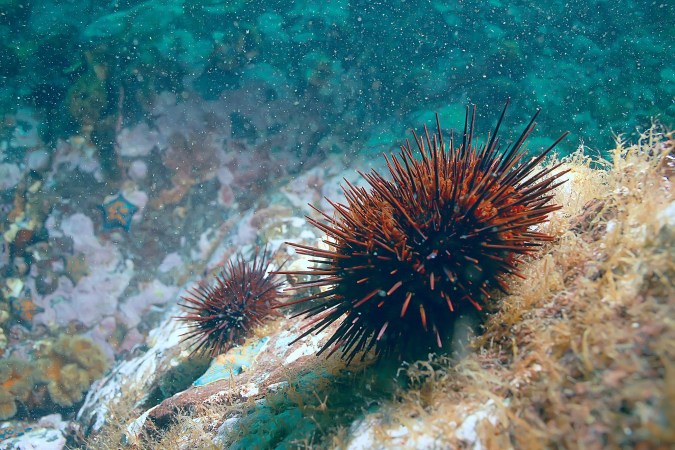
pixel 416 249
pixel 221 314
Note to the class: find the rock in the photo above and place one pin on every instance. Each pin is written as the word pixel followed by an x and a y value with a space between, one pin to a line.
pixel 10 175
pixel 138 170
pixel 38 160
pixel 49 433
pixel 246 373
pixel 152 293
pixel 138 140
pixel 135 377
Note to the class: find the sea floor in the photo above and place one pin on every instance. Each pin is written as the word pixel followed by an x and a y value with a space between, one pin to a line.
pixel 578 355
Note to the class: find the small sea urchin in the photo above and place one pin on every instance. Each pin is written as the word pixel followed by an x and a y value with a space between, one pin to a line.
pixel 221 314
pixel 411 254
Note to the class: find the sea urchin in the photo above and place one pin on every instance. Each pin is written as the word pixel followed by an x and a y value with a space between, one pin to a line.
pixel 221 314
pixel 410 255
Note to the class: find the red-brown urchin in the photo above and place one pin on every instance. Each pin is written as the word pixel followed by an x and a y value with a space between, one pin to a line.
pixel 221 314
pixel 411 254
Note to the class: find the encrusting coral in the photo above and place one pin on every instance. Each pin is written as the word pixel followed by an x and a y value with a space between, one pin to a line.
pixel 413 254
pixel 69 365
pixel 16 383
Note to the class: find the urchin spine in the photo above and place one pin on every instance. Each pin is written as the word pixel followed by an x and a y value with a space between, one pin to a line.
pixel 221 314
pixel 442 233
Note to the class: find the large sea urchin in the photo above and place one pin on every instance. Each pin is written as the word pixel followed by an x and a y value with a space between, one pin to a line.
pixel 411 254
pixel 221 314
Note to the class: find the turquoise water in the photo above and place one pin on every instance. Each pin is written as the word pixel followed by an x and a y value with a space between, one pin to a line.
pixel 370 70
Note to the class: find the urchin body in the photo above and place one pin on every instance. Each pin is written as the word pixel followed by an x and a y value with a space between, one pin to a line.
pixel 436 239
pixel 222 314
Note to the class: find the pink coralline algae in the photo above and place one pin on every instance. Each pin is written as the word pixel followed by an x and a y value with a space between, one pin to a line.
pixel 151 294
pixel 95 295
pixel 93 298
pixel 10 175
pixel 138 140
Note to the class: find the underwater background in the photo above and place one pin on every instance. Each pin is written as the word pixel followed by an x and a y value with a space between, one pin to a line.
pixel 143 143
